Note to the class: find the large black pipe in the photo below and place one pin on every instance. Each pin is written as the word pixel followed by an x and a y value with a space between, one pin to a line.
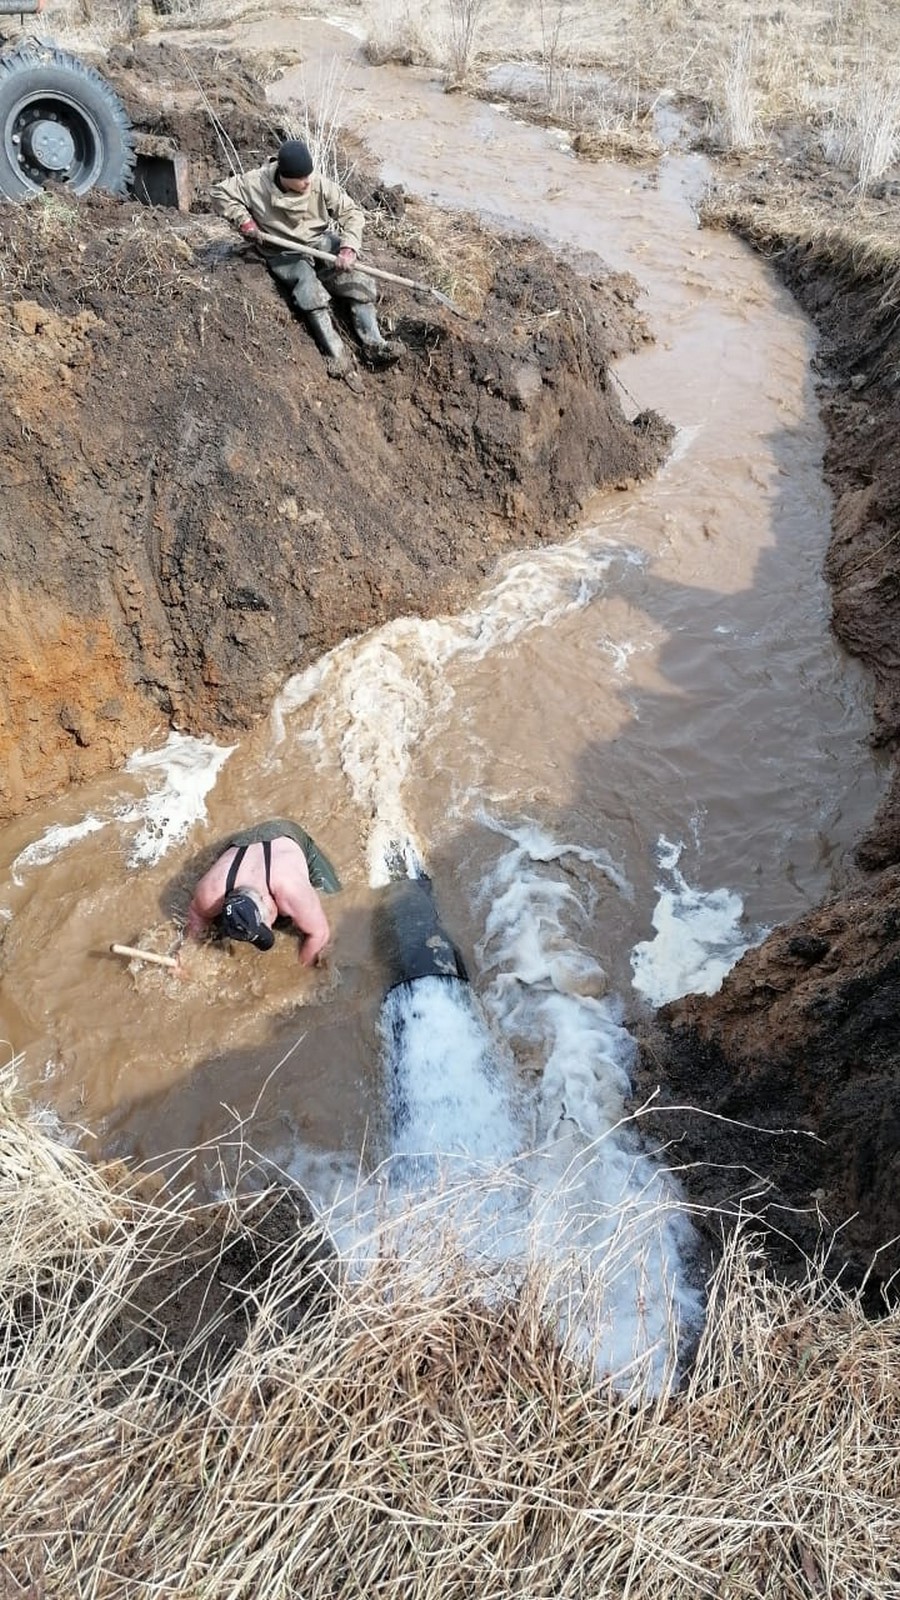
pixel 411 940
pixel 413 947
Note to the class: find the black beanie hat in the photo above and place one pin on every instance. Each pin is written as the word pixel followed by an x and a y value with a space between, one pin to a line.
pixel 294 159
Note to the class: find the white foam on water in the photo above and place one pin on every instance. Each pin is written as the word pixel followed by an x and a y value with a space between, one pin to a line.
pixel 187 769
pixel 698 939
pixel 554 1177
pixel 455 1131
pixel 550 1178
pixel 682 443
pixel 51 844
pixel 536 844
pixel 356 30
pixel 609 1229
pixel 372 700
pixel 448 1094
pixel 620 654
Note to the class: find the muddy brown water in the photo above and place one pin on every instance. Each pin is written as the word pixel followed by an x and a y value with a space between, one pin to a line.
pixel 666 675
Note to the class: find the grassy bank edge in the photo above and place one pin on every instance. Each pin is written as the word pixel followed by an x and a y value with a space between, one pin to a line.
pixel 400 1435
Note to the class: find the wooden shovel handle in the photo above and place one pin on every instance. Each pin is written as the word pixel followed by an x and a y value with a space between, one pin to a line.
pixel 143 955
pixel 364 266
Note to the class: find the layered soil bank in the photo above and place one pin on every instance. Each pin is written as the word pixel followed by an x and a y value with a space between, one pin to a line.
pixel 193 510
pixel 804 1036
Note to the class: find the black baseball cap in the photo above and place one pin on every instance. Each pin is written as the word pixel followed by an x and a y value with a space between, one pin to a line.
pixel 241 918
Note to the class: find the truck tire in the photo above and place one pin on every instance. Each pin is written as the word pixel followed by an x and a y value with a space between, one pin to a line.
pixel 60 121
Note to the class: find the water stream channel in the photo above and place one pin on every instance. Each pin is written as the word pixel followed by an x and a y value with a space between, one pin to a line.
pixel 631 754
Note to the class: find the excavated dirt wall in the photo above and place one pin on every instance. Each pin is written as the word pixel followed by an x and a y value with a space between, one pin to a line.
pixel 193 510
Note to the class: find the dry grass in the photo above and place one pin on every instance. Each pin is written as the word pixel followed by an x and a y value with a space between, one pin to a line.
pixel 128 258
pixel 89 26
pixel 407 32
pixel 616 143
pixel 197 14
pixel 159 254
pixel 39 230
pixel 862 130
pixel 740 72
pixel 861 241
pixel 418 32
pixel 450 252
pixel 745 71
pixel 607 121
pixel 739 125
pixel 407 1440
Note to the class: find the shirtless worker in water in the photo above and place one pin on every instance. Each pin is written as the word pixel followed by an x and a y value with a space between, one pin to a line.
pixel 268 873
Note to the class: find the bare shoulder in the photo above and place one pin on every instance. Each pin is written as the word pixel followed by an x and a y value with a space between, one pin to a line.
pixel 287 853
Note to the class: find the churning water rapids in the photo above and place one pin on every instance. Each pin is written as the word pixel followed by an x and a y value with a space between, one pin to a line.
pixel 626 759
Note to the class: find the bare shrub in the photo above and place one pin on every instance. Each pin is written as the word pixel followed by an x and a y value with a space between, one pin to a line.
pixel 862 131
pixel 556 21
pixel 465 24
pixel 738 125
pixel 317 115
pixel 416 33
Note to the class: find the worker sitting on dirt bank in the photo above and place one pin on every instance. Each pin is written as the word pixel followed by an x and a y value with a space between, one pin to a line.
pixel 285 205
pixel 267 876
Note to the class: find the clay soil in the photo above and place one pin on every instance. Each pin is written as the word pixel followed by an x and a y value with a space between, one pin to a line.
pixel 194 510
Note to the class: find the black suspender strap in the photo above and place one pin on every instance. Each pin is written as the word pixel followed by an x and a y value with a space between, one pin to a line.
pixel 238 857
pixel 236 860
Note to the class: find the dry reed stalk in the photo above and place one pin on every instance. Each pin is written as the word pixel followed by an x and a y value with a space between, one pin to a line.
pixel 316 115
pixel 739 124
pixel 862 129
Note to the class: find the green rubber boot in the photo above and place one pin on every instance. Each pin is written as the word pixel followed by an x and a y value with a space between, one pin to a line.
pixel 380 351
pixel 338 360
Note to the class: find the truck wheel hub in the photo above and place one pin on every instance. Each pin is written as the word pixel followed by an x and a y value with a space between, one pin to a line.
pixel 49 144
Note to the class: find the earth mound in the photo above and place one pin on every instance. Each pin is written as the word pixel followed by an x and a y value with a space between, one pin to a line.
pixel 195 510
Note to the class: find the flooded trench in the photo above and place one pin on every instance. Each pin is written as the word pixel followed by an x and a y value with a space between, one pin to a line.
pixel 630 755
